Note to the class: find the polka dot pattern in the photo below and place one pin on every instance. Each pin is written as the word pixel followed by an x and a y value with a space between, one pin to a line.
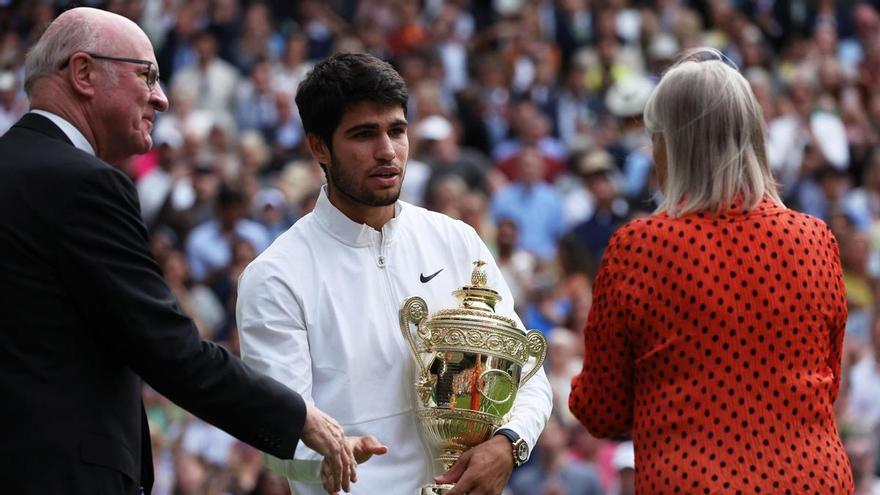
pixel 716 340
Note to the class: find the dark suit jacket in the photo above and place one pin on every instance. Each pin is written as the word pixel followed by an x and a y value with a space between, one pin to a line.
pixel 84 315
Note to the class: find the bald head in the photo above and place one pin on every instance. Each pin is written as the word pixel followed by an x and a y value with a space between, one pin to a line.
pixel 82 29
pixel 97 71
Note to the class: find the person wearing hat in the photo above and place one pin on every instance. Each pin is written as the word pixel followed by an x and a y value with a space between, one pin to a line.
pixel 271 209
pixel 624 463
pixel 440 149
pixel 167 188
pixel 610 210
pixel 626 101
pixel 12 104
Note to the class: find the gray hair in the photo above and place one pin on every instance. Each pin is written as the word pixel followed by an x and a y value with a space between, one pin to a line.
pixel 56 45
pixel 714 133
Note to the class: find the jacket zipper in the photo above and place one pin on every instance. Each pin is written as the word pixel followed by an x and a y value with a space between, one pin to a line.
pixel 382 261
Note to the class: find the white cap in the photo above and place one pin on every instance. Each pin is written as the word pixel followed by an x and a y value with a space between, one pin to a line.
pixel 507 7
pixel 628 97
pixel 167 134
pixel 434 128
pixel 663 46
pixel 7 80
pixel 624 456
pixel 269 196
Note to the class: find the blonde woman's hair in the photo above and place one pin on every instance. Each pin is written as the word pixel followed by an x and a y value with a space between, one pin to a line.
pixel 714 132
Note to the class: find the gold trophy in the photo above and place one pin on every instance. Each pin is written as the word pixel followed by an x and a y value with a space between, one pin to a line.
pixel 470 362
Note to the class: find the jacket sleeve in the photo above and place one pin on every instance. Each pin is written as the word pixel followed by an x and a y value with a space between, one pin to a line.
pixel 104 261
pixel 602 394
pixel 534 400
pixel 274 340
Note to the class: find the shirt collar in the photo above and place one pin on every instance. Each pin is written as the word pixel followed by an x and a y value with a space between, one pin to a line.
pixel 69 130
pixel 349 231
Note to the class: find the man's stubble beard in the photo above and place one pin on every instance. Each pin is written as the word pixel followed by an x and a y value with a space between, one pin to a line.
pixel 345 185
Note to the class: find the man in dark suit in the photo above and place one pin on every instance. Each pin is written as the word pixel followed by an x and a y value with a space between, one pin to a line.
pixel 84 311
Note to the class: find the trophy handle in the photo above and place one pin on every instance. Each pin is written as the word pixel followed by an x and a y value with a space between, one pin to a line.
pixel 415 310
pixel 536 346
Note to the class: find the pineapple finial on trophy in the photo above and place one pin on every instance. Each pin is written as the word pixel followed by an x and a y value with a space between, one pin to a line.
pixel 478 276
pixel 478 295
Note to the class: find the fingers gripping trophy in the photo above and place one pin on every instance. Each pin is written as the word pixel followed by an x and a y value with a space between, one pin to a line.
pixel 469 363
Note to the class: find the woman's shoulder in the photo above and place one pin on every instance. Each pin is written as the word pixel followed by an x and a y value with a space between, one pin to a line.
pixel 647 226
pixel 641 231
pixel 804 222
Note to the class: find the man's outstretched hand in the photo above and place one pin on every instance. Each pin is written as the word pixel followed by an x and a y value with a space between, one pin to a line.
pixel 324 435
pixel 361 449
pixel 365 447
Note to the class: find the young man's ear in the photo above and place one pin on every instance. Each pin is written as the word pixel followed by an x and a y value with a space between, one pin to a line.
pixel 319 149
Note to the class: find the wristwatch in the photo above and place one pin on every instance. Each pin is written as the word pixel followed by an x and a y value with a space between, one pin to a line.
pixel 520 447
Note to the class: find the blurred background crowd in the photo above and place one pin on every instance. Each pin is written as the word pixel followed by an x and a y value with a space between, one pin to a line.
pixel 525 122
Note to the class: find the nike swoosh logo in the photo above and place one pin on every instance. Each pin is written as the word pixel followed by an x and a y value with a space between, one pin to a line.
pixel 427 279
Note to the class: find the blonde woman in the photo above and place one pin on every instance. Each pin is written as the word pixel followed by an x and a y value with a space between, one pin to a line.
pixel 716 327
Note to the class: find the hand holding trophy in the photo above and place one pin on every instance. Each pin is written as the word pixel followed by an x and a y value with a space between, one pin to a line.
pixel 470 362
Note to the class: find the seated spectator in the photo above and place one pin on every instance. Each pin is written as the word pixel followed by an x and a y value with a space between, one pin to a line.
pixel 626 100
pixel 624 462
pixel 564 360
pixel 863 400
pixel 861 449
pixel 287 136
pixel 533 204
pixel 446 196
pixel 209 246
pixel 517 265
pixel 255 107
pixel 197 301
pixel 293 65
pixel 531 130
pixel 213 79
pixel 166 188
pixel 611 210
pixel 271 210
pixel 474 211
pixel 13 104
pixel 439 148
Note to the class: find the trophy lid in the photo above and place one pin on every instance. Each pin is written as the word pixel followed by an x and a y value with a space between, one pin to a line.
pixel 477 295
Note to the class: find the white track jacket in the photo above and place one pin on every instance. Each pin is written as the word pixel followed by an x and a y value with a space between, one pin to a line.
pixel 318 311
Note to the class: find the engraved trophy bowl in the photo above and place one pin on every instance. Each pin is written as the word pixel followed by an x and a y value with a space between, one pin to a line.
pixel 470 364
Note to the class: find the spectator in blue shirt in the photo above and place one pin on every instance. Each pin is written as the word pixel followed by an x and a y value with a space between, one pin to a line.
pixel 534 205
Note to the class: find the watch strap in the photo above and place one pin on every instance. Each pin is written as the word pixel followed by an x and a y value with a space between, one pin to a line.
pixel 508 433
pixel 519 447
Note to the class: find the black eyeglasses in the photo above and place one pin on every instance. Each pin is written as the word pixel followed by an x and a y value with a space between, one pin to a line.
pixel 151 77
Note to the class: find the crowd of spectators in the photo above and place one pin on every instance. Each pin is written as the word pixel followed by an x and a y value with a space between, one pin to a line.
pixel 525 122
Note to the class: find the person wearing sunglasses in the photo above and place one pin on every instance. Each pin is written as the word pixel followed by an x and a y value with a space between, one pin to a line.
pixel 85 314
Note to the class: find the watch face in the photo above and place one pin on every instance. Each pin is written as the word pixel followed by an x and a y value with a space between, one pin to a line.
pixel 522 451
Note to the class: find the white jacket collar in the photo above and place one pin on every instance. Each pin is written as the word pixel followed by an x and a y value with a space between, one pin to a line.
pixel 349 231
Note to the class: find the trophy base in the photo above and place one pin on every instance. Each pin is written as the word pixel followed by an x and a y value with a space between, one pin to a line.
pixel 435 489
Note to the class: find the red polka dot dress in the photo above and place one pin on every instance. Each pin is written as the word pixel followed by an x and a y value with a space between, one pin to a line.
pixel 716 340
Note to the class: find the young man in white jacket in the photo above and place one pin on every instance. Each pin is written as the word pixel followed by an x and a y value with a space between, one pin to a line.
pixel 318 310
